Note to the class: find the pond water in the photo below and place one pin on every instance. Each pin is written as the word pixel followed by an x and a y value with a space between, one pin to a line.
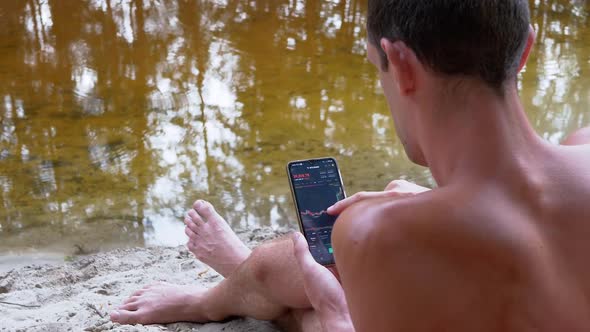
pixel 116 115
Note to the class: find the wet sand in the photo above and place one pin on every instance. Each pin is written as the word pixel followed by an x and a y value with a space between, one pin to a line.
pixel 78 295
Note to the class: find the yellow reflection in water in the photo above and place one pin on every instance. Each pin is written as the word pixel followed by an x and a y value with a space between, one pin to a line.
pixel 116 115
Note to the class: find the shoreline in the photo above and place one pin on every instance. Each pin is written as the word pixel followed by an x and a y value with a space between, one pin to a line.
pixel 77 295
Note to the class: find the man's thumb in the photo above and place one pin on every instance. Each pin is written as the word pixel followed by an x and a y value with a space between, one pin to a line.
pixel 302 254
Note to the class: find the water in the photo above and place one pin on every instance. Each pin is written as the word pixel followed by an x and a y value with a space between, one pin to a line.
pixel 116 115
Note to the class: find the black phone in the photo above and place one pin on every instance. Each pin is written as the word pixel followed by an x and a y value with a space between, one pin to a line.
pixel 316 184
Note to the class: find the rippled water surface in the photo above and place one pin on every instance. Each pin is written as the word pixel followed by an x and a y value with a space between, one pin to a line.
pixel 116 115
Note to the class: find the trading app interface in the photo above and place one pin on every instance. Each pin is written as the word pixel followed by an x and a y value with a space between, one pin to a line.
pixel 317 186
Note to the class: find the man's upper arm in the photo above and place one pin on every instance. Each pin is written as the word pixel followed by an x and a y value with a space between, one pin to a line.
pixel 398 277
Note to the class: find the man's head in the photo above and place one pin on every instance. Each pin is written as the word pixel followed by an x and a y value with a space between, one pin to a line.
pixel 475 40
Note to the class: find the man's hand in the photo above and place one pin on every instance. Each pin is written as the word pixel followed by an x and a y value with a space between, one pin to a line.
pixel 323 290
pixel 396 188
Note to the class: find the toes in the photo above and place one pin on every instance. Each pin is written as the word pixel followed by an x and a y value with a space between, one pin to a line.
pixel 139 291
pixel 147 288
pixel 126 317
pixel 190 233
pixel 131 306
pixel 207 211
pixel 191 224
pixel 133 298
pixel 198 204
pixel 196 218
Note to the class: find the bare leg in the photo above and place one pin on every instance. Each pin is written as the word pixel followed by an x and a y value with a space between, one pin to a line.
pixel 266 285
pixel 259 277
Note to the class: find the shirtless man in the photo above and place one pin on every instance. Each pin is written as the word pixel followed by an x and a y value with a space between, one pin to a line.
pixel 500 245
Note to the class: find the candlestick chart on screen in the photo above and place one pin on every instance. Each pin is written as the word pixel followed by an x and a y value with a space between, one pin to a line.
pixel 314 199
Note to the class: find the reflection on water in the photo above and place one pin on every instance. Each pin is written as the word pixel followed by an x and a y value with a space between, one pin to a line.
pixel 556 85
pixel 116 115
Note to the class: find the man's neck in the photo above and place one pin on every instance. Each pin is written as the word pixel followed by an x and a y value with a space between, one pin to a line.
pixel 477 135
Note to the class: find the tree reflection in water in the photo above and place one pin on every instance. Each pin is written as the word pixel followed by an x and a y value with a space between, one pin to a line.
pixel 116 115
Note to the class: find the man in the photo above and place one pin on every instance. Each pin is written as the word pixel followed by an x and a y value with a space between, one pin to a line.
pixel 500 245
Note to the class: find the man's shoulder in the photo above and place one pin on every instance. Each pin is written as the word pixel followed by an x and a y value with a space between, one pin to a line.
pixel 376 227
pixel 397 218
pixel 442 222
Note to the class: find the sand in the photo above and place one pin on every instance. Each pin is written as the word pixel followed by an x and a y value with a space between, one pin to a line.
pixel 78 295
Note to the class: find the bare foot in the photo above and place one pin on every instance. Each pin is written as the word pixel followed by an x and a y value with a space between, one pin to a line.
pixel 212 241
pixel 163 303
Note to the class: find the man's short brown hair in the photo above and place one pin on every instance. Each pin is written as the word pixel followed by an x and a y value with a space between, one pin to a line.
pixel 474 38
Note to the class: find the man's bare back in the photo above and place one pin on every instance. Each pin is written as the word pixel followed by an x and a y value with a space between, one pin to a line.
pixel 503 254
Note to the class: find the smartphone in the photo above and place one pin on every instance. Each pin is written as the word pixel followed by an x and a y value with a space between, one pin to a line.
pixel 316 184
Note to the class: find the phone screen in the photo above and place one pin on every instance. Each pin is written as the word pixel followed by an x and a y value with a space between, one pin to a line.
pixel 316 185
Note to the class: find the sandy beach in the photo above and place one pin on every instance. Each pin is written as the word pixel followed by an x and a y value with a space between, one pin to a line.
pixel 77 295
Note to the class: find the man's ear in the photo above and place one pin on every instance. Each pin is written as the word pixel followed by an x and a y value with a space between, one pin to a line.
pixel 530 41
pixel 402 61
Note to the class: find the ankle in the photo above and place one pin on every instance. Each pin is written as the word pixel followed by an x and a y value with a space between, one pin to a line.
pixel 210 308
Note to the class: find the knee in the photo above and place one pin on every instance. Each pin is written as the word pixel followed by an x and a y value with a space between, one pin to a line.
pixel 269 257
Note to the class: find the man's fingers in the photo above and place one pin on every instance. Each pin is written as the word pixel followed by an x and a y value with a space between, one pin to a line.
pixel 404 187
pixel 396 188
pixel 304 258
pixel 335 272
pixel 345 203
pixel 300 248
pixel 392 185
